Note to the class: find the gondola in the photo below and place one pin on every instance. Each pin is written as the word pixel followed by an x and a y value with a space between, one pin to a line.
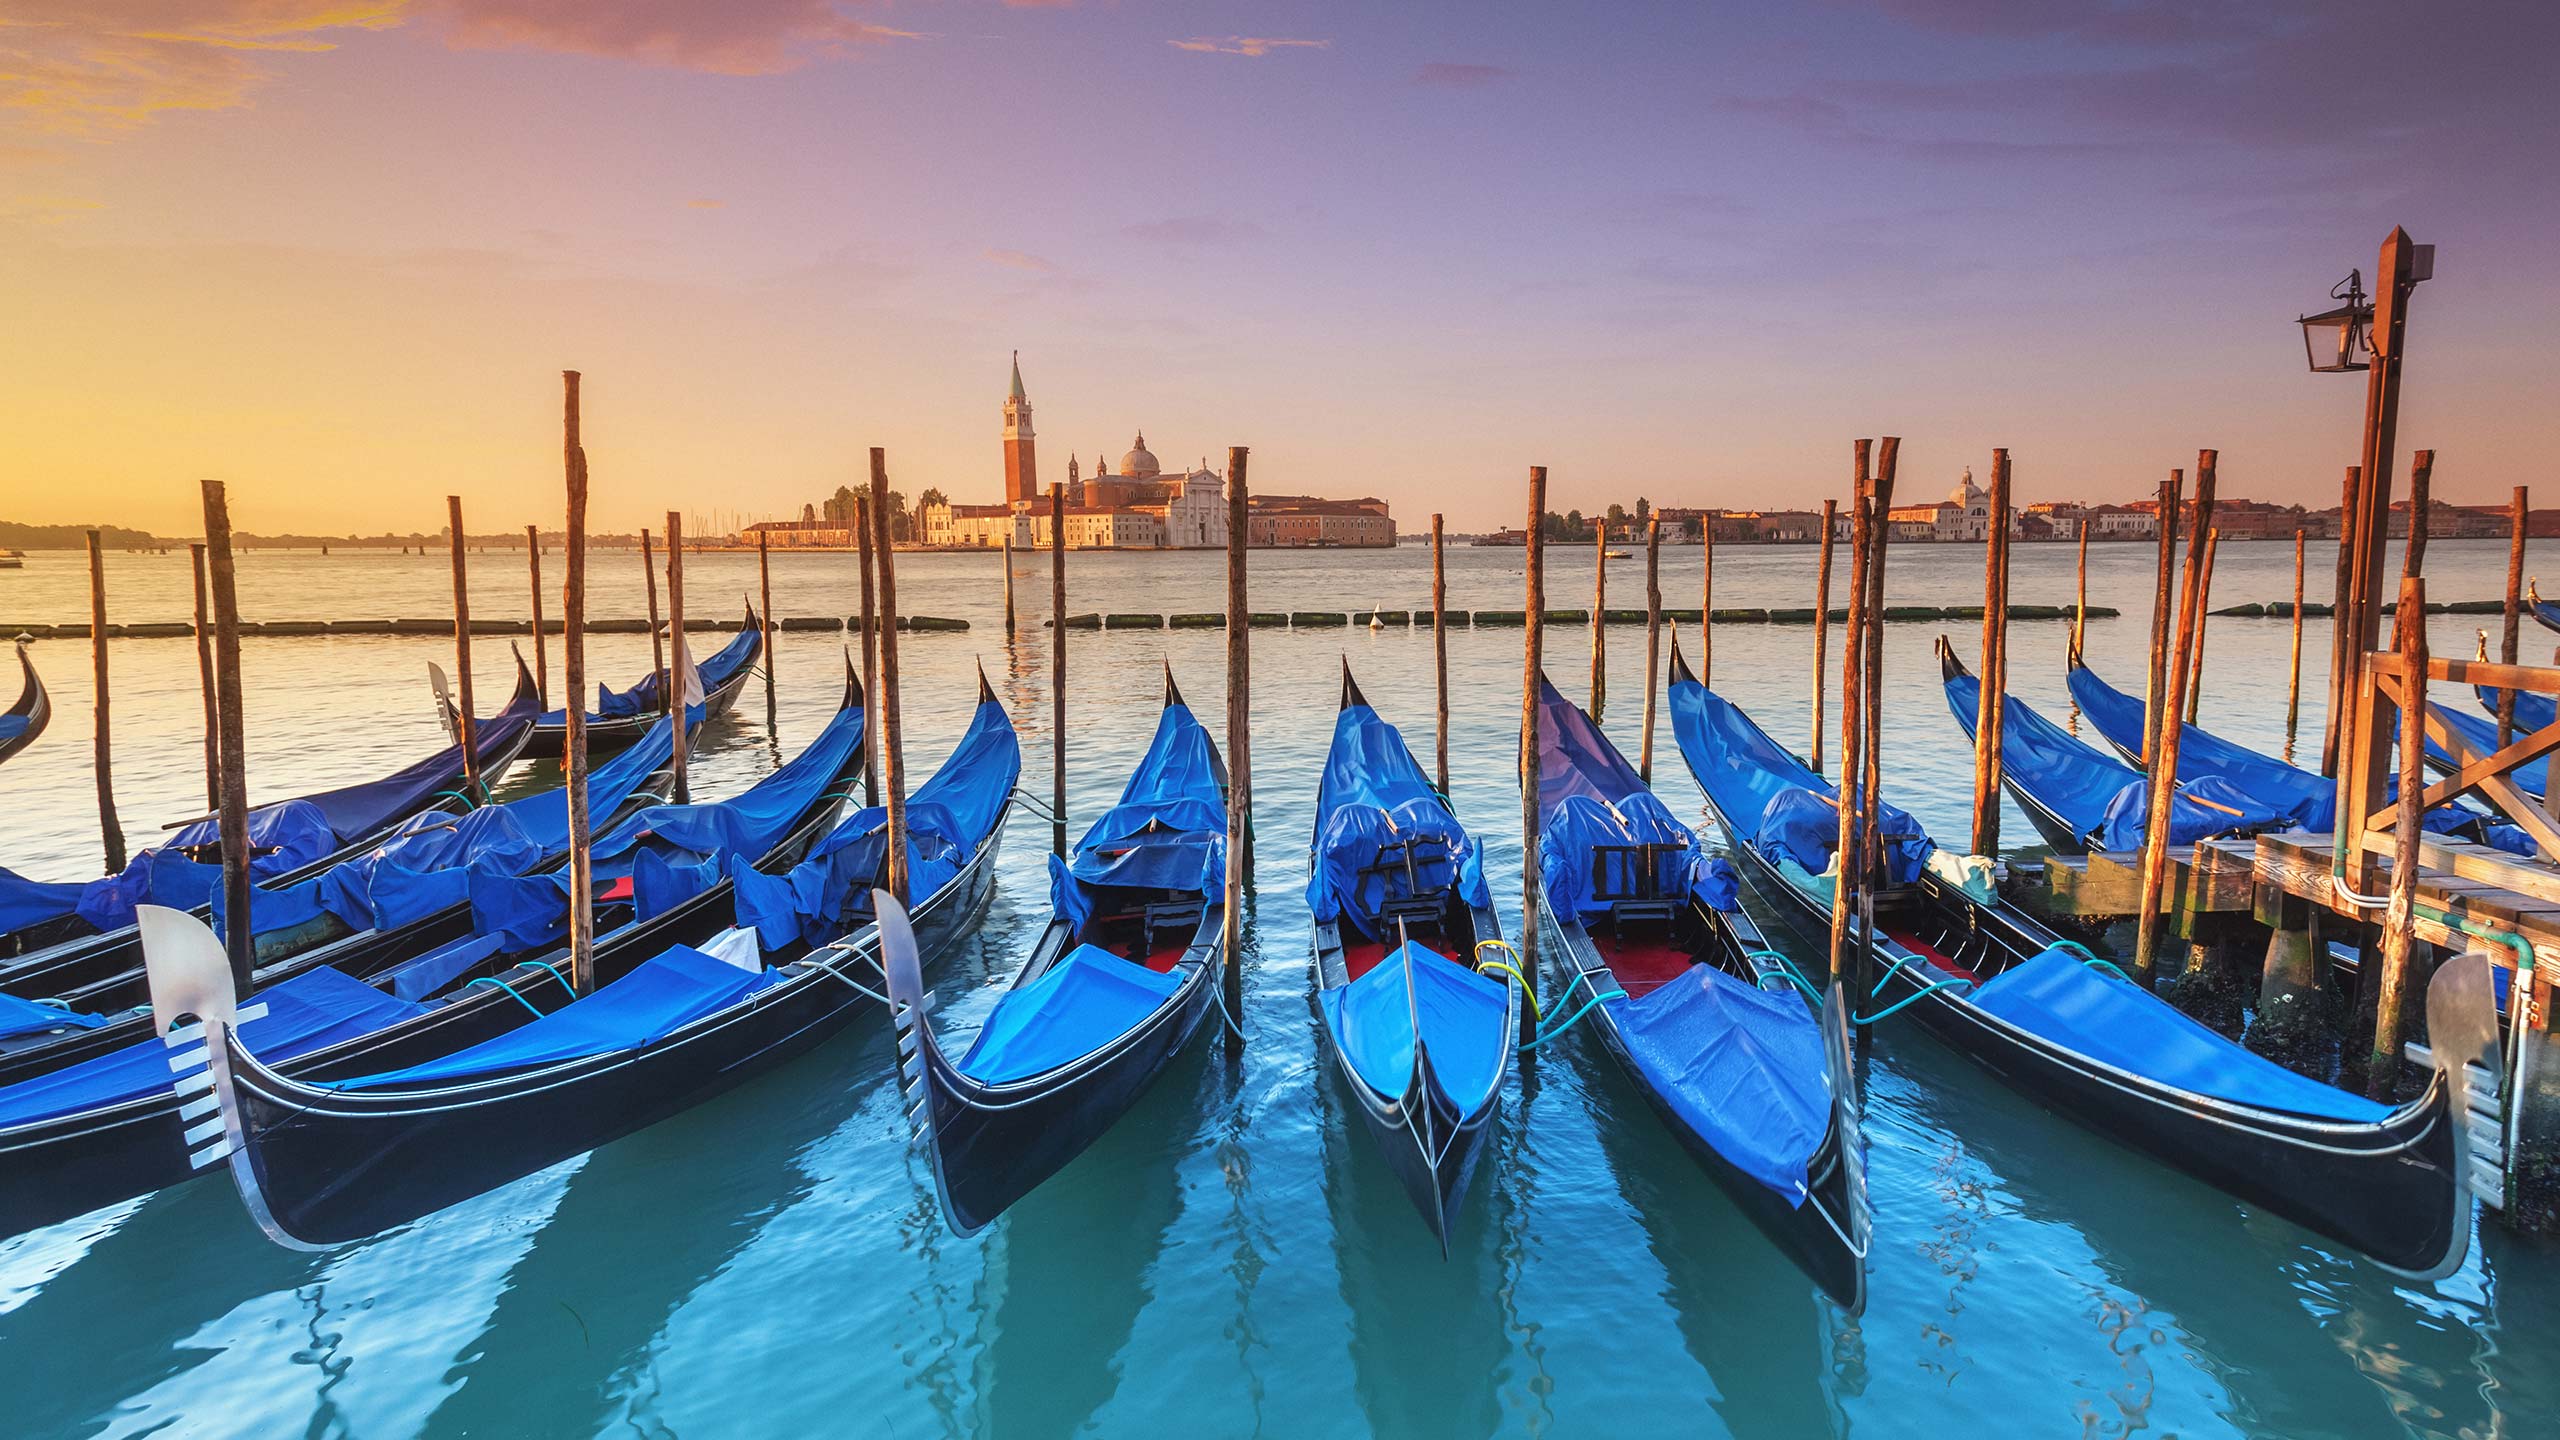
pixel 108 1128
pixel 2543 610
pixel 331 1158
pixel 25 718
pixel 64 940
pixel 1112 990
pixel 623 716
pixel 2393 1183
pixel 1406 938
pixel 1697 1009
pixel 2081 798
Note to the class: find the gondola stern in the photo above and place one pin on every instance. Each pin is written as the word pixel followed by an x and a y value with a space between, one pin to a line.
pixel 1949 667
pixel 986 691
pixel 919 1056
pixel 1849 1124
pixel 1351 695
pixel 1172 692
pixel 1680 671
pixel 853 696
pixel 2463 1049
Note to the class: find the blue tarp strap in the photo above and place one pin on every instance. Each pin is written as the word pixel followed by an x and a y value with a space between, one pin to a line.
pixel 510 989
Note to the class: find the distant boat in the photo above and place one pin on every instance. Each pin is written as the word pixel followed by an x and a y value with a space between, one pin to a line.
pixel 1617 555
pixel 13 560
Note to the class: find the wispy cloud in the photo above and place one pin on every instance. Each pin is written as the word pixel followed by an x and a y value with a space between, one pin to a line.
pixel 735 37
pixel 1255 46
pixel 1459 77
pixel 1019 260
pixel 1195 231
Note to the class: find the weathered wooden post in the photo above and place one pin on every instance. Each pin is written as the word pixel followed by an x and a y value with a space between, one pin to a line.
pixel 1008 579
pixel 884 555
pixel 2080 615
pixel 2293 687
pixel 2204 616
pixel 102 758
pixel 870 648
pixel 1440 655
pixel 1822 627
pixel 1871 698
pixel 1995 664
pixel 657 641
pixel 679 655
pixel 2164 760
pixel 2399 918
pixel 541 654
pixel 468 725
pixel 573 679
pixel 1239 734
pixel 2413 558
pixel 1852 677
pixel 1058 660
pixel 1599 616
pixel 204 677
pixel 772 630
pixel 1707 599
pixel 1652 638
pixel 2341 662
pixel 2162 621
pixel 2513 613
pixel 1531 663
pixel 239 934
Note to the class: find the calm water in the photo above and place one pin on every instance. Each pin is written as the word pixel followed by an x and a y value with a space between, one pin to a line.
pixel 1233 1258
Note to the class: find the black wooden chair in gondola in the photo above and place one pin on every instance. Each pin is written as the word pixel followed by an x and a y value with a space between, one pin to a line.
pixel 1644 941
pixel 1417 913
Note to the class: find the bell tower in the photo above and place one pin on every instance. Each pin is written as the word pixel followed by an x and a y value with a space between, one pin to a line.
pixel 1021 466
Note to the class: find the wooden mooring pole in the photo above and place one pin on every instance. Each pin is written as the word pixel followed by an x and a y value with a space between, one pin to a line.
pixel 2399 917
pixel 101 750
pixel 1008 581
pixel 2513 613
pixel 1652 639
pixel 1058 660
pixel 541 654
pixel 2164 758
pixel 2413 557
pixel 1531 663
pixel 2156 684
pixel 1707 601
pixel 870 652
pixel 239 933
pixel 1599 617
pixel 1239 736
pixel 573 680
pixel 1440 658
pixel 679 655
pixel 204 679
pixel 2293 687
pixel 657 641
pixel 1871 724
pixel 772 628
pixel 2340 658
pixel 2204 615
pixel 892 743
pixel 467 724
pixel 1852 677
pixel 2080 615
pixel 1821 626
pixel 1994 676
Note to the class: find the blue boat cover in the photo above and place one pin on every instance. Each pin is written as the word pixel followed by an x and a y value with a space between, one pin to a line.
pixel 1574 757
pixel 2482 736
pixel 359 810
pixel 1768 796
pixel 2305 800
pixel 829 892
pixel 642 699
pixel 311 1011
pixel 2533 712
pixel 1373 795
pixel 26 1017
pixel 2055 996
pixel 13 726
pixel 1088 999
pixel 1592 797
pixel 25 902
pixel 680 849
pixel 1464 1025
pixel 1170 828
pixel 1743 1068
pixel 660 996
pixel 429 974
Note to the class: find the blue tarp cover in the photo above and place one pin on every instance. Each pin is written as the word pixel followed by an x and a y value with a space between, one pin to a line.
pixel 829 892
pixel 660 996
pixel 642 699
pixel 2304 800
pixel 2482 736
pixel 1574 757
pixel 1742 1067
pixel 1580 881
pixel 1170 828
pixel 26 1017
pixel 25 902
pixel 1088 999
pixel 282 837
pixel 2533 711
pixel 1463 1014
pixel 2198 809
pixel 1803 825
pixel 1373 795
pixel 2055 996
pixel 311 1011
pixel 1761 790
pixel 13 726
pixel 2105 801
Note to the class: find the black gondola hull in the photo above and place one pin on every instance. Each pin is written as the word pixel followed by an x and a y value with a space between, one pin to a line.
pixel 34 707
pixel 335 1167
pixel 609 735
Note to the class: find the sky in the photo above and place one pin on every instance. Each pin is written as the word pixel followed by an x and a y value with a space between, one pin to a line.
pixel 335 252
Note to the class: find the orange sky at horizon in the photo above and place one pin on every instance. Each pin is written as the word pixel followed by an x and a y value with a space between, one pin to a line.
pixel 336 254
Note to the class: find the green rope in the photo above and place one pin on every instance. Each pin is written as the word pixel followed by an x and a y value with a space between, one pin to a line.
pixel 510 989
pixel 1792 973
pixel 467 802
pixel 1931 988
pixel 2074 947
pixel 555 974
pixel 1552 1033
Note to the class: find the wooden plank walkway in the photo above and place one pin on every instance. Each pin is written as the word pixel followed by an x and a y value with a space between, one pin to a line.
pixel 2460 878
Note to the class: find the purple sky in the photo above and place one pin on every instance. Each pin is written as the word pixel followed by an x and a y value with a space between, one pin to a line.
pixel 335 253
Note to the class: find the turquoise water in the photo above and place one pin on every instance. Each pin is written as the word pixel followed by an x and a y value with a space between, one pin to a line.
pixel 1233 1258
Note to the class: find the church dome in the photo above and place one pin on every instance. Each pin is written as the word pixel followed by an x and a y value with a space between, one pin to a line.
pixel 1140 462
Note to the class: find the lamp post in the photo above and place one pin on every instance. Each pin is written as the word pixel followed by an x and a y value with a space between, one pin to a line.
pixel 2367 337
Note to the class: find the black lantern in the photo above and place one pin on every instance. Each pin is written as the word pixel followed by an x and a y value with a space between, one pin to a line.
pixel 2335 340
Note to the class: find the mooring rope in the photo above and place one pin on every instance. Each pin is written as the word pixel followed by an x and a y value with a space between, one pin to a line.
pixel 1511 968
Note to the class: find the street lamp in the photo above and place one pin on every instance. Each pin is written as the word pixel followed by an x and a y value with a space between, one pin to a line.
pixel 2334 341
